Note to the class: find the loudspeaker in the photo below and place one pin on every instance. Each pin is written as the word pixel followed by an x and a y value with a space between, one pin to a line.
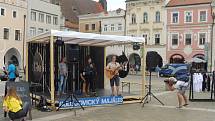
pixel 72 53
pixel 152 60
pixel 123 60
pixel 59 42
pixel 136 46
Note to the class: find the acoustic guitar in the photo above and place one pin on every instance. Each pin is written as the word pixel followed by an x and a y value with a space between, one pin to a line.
pixel 110 73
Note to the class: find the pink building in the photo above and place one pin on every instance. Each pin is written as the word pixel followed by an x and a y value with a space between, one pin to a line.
pixel 189 28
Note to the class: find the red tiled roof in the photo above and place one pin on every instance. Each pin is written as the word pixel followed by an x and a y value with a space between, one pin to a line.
pixel 71 9
pixel 174 3
pixel 71 25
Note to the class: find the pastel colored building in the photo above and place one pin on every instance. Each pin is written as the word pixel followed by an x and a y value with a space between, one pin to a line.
pixel 12 31
pixel 189 30
pixel 40 19
pixel 146 18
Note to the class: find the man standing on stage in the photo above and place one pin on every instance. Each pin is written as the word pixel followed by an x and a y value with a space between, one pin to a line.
pixel 63 76
pixel 114 67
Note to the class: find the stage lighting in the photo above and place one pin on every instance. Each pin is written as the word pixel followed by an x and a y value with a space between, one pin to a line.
pixel 59 41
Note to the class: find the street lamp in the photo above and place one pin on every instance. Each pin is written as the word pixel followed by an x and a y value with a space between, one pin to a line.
pixel 212 34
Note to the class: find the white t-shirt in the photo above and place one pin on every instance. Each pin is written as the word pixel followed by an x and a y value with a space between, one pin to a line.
pixel 112 65
pixel 180 84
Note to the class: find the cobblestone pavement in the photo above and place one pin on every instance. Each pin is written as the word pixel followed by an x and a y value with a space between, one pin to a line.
pixel 196 111
pixel 153 111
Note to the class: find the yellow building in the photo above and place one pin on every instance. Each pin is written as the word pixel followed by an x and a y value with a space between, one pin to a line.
pixel 90 23
pixel 146 18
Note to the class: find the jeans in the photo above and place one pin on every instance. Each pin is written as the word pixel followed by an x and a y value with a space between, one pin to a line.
pixel 62 84
pixel 20 114
pixel 91 83
pixel 12 79
pixel 115 80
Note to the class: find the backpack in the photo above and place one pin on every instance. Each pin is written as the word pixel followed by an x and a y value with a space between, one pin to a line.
pixel 16 72
pixel 43 104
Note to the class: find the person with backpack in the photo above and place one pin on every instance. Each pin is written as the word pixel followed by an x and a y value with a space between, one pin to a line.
pixel 11 71
pixel 180 84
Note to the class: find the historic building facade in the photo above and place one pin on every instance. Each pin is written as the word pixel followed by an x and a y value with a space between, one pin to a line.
pixel 42 19
pixel 12 25
pixel 189 30
pixel 146 18
pixel 109 23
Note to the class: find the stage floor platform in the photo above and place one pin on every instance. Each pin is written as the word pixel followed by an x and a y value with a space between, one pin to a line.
pixel 127 97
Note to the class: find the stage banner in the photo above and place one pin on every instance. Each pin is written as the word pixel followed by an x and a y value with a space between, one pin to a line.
pixel 92 101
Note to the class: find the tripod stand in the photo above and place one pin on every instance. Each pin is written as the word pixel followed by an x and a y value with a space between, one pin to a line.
pixel 149 93
pixel 73 100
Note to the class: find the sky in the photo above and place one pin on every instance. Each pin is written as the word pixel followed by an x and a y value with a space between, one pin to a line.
pixel 114 4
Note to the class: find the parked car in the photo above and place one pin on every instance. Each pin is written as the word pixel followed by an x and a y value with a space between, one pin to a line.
pixel 3 75
pixel 175 70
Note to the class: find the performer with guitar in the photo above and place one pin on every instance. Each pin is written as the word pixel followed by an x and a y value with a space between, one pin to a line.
pixel 112 72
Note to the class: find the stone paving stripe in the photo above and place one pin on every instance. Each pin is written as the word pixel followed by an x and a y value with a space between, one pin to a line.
pixel 68 114
pixel 184 108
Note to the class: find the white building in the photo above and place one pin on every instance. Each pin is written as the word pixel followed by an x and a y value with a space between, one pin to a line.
pixel 113 22
pixel 43 16
pixel 107 23
pixel 110 23
pixel 12 25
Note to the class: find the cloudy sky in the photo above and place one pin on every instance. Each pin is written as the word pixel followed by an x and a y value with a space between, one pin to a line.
pixel 114 4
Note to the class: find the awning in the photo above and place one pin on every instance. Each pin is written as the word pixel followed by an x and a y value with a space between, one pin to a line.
pixel 87 39
pixel 197 60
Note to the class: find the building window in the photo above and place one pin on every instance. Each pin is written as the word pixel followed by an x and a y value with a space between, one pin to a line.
pixel 202 38
pixel 188 39
pixel 157 17
pixel 188 17
pixel 112 27
pixel 17 35
pixel 157 39
pixel 175 17
pixel 6 33
pixel 119 27
pixel 33 16
pixel 105 27
pixel 14 14
pixel 2 12
pixel 40 30
pixel 48 19
pixel 146 38
pixel 41 17
pixel 87 27
pixel 203 16
pixel 93 26
pixel 145 17
pixel 32 31
pixel 133 19
pixel 174 39
pixel 55 20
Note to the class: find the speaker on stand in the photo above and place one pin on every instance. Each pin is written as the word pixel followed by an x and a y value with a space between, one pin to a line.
pixel 73 58
pixel 152 62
